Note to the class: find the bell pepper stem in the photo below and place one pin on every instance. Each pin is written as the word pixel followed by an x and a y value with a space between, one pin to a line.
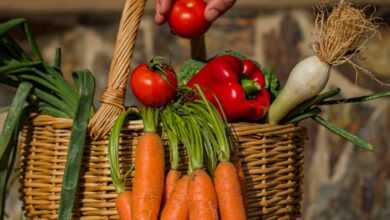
pixel 250 87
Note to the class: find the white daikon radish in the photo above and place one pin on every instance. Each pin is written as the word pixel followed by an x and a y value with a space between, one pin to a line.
pixel 339 37
pixel 306 80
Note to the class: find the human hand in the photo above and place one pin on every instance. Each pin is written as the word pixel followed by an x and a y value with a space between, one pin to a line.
pixel 214 9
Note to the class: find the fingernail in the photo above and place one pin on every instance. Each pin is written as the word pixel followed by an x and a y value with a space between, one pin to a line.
pixel 211 14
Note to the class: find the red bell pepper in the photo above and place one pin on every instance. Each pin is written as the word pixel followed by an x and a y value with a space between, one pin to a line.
pixel 238 85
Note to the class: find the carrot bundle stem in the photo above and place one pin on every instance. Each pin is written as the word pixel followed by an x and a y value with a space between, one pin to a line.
pixel 171 132
pixel 123 201
pixel 226 179
pixel 150 117
pixel 113 151
pixel 148 182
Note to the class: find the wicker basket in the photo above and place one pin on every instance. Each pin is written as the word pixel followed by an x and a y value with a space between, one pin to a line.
pixel 272 156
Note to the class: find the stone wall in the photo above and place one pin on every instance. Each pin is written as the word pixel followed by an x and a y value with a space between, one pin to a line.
pixel 341 181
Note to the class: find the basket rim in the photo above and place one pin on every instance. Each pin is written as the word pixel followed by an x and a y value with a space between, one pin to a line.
pixel 66 123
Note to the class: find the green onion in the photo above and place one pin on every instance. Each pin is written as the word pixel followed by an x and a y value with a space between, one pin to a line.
pixel 76 146
pixel 7 26
pixel 343 133
pixel 9 138
pixel 304 107
pixel 6 168
pixel 50 110
pixel 54 102
pixel 15 66
pixel 308 114
pixel 33 44
pixel 14 116
pixel 356 99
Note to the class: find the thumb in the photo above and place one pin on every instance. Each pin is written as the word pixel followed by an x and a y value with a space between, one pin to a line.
pixel 216 8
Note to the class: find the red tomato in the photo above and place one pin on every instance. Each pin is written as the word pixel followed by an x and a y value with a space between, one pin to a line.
pixel 186 18
pixel 153 88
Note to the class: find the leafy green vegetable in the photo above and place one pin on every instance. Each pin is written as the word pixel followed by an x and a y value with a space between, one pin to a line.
pixel 188 70
pixel 76 145
pixel 233 53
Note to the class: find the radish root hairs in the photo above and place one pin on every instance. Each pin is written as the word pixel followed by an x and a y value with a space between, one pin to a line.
pixel 339 37
pixel 342 34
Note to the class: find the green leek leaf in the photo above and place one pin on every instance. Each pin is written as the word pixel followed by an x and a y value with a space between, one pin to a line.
pixel 76 146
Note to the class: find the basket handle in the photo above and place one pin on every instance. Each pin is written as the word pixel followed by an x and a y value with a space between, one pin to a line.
pixel 112 99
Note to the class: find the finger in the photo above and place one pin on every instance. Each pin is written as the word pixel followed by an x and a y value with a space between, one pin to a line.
pixel 158 6
pixel 216 8
pixel 159 19
pixel 165 6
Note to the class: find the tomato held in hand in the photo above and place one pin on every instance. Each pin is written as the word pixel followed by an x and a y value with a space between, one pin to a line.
pixel 186 18
pixel 154 84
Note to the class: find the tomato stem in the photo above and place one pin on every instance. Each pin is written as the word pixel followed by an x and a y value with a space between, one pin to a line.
pixel 157 64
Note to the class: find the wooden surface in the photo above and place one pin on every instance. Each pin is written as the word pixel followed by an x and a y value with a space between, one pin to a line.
pixel 73 6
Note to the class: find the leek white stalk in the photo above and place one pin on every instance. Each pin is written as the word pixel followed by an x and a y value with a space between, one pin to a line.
pixel 308 78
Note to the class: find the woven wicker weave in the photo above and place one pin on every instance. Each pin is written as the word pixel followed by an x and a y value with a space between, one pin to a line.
pixel 272 156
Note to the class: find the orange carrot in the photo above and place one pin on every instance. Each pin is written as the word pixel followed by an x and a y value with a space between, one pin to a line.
pixel 227 185
pixel 148 183
pixel 177 207
pixel 202 196
pixel 123 205
pixel 123 201
pixel 241 178
pixel 171 180
pixel 171 132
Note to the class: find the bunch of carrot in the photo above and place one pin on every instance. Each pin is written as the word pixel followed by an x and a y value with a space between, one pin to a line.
pixel 211 187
